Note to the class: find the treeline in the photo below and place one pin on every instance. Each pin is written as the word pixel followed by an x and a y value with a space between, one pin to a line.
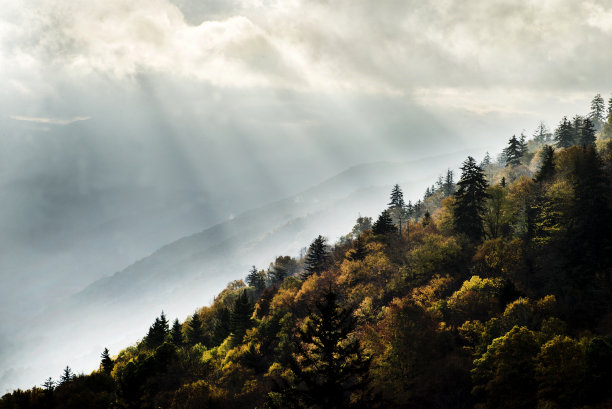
pixel 494 291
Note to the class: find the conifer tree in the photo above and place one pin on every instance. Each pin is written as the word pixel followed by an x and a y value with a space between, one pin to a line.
pixel 106 363
pixel 240 318
pixel 542 135
pixel 397 198
pixel 316 258
pixel 564 134
pixel 609 113
pixel 513 152
pixel 66 376
pixel 49 385
pixel 587 135
pixel 503 181
pixel 577 125
pixel 195 331
pixel 176 333
pixel 523 144
pixel 470 199
pixel 486 161
pixel 359 250
pixel 597 114
pixel 157 332
pixel 449 183
pixel 329 365
pixel 384 224
pixel 256 279
pixel 547 169
pixel 221 325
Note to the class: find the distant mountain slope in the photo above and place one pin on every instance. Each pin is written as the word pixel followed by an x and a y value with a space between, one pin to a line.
pixel 191 270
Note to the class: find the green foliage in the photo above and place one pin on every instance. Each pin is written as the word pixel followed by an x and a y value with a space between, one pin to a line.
pixel 469 201
pixel 195 332
pixel 316 257
pixel 384 224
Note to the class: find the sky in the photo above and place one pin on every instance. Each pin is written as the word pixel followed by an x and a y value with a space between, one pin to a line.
pixel 127 124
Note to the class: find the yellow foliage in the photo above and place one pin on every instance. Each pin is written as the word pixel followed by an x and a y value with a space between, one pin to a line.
pixel 436 255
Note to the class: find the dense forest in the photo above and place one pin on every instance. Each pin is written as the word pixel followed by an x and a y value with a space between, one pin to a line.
pixel 492 291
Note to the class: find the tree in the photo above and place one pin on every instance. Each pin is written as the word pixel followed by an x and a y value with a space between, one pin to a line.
pixel 362 224
pixel 597 114
pixel 470 198
pixel 316 257
pixel 384 224
pixel 48 385
pixel 486 161
pixel 359 251
pixel 106 363
pixel 176 333
pixel 66 376
pixel 240 317
pixel 523 143
pixel 448 187
pixel 610 107
pixel 157 332
pixel 547 169
pixel 397 206
pixel 283 267
pixel 564 134
pixel 577 126
pixel 541 134
pixel 329 365
pixel 195 332
pixel 587 134
pixel 513 152
pixel 256 279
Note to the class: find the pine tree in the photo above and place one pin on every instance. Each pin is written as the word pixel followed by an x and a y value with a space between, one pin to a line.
pixel 176 333
pixel 597 114
pixel 195 331
pixel 577 125
pixel 397 198
pixel 316 258
pixel 106 363
pixel 486 161
pixel 329 365
pixel 384 224
pixel 523 144
pixel 256 279
pixel 542 135
pixel 564 134
pixel 609 107
pixel 66 376
pixel 513 152
pixel 587 135
pixel 240 317
pixel 157 332
pixel 48 385
pixel 449 184
pixel 547 169
pixel 503 181
pixel 221 325
pixel 470 199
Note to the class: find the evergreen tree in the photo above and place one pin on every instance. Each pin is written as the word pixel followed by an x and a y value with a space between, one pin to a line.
pixel 577 125
pixel 503 181
pixel 542 135
pixel 316 258
pixel 597 114
pixel 448 186
pixel 547 169
pixel 240 318
pixel 384 224
pixel 609 107
pixel 397 198
pixel 470 199
pixel 157 332
pixel 256 279
pixel 66 376
pixel 48 385
pixel 195 331
pixel 176 333
pixel 106 363
pixel 564 134
pixel 486 161
pixel 329 365
pixel 523 144
pixel 587 135
pixel 426 219
pixel 513 152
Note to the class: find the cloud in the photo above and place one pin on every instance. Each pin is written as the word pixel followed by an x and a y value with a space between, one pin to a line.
pixel 51 121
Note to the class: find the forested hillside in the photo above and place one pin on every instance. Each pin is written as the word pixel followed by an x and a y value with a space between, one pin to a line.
pixel 492 291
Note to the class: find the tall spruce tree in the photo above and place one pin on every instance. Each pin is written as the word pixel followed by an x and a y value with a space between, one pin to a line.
pixel 542 135
pixel 598 111
pixel 397 206
pixel 331 371
pixel 316 257
pixel 448 187
pixel 587 134
pixel 359 251
pixel 577 125
pixel 547 169
pixel 176 333
pixel 195 331
pixel 106 363
pixel 157 332
pixel 486 161
pixel 256 279
pixel 240 317
pixel 67 376
pixel 564 134
pixel 384 224
pixel 513 152
pixel 470 198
